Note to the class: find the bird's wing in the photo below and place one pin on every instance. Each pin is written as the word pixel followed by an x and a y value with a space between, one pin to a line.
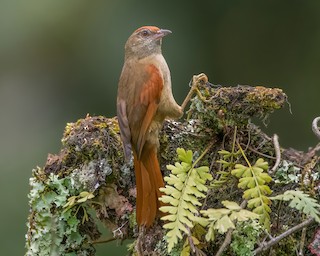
pixel 125 133
pixel 147 93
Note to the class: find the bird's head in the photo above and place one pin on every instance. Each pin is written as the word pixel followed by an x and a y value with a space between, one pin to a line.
pixel 145 41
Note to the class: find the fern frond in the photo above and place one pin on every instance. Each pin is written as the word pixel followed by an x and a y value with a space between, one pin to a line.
pixel 222 219
pixel 185 186
pixel 227 161
pixel 227 164
pixel 302 202
pixel 253 179
pixel 186 250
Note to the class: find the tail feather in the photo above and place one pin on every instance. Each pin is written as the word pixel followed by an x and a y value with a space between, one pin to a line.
pixel 148 181
pixel 138 175
pixel 156 175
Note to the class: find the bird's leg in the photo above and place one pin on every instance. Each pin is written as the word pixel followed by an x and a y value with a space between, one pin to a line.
pixel 200 79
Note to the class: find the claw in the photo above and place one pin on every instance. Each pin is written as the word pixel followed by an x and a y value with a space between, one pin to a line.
pixel 196 80
pixel 200 79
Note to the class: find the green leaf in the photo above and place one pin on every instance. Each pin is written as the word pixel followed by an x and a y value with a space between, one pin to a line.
pixel 210 236
pixel 224 153
pixel 265 190
pixel 246 182
pixel 204 174
pixel 201 187
pixel 251 193
pixel 265 177
pixel 191 198
pixel 169 209
pixel 168 199
pixel 186 221
pixel 185 156
pixel 257 170
pixel 84 194
pixel 170 225
pixel 262 164
pixel 82 200
pixel 243 215
pixel 302 202
pixel 169 190
pixel 195 191
pixel 174 180
pixel 185 249
pixel 224 163
pixel 172 238
pixel 254 202
pixel 262 209
pixel 201 221
pixel 189 206
pixel 169 217
pixel 253 180
pixel 215 214
pixel 184 186
pixel 223 224
pixel 239 170
pixel 231 205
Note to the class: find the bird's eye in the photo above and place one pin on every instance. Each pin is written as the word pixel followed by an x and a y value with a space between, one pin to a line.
pixel 145 32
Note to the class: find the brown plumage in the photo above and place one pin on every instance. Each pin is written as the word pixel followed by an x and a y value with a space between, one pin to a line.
pixel 144 100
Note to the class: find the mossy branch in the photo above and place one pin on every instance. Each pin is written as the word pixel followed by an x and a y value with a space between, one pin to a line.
pixel 89 177
pixel 267 245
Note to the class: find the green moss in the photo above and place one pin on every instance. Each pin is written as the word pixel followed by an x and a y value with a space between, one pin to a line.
pixel 91 138
pixel 235 106
pixel 287 246
pixel 245 237
pixel 91 161
pixel 188 135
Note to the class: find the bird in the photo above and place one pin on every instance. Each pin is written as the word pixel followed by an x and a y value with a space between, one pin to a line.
pixel 144 101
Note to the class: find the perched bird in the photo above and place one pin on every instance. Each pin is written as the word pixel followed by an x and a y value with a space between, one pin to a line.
pixel 144 100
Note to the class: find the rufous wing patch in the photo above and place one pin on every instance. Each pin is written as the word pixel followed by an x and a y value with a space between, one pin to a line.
pixel 150 97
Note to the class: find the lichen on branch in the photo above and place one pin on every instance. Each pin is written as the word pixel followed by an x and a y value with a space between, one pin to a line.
pixel 88 181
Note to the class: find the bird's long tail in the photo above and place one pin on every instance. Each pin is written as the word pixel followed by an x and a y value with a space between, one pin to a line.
pixel 148 181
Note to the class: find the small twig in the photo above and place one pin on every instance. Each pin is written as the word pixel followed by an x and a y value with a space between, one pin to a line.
pixel 268 234
pixel 249 140
pixel 265 246
pixel 203 154
pixel 227 239
pixel 192 246
pixel 119 231
pixel 115 236
pixel 302 240
pixel 225 243
pixel 315 127
pixel 102 241
pixel 314 150
pixel 278 153
pixel 257 152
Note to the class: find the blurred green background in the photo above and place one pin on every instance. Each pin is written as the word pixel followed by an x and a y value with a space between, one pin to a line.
pixel 60 60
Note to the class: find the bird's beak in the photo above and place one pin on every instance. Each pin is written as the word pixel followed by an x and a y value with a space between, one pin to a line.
pixel 162 32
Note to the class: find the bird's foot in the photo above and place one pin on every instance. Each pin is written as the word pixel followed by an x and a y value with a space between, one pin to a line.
pixel 197 80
